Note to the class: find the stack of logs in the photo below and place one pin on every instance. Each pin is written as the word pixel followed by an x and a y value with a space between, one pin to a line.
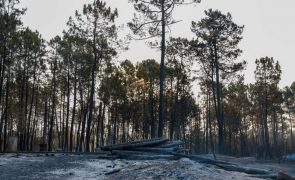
pixel 147 150
pixel 155 149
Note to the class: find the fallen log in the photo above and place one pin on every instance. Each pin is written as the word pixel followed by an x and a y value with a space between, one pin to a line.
pixel 140 155
pixel 128 152
pixel 284 176
pixel 182 150
pixel 151 157
pixel 246 170
pixel 227 166
pixel 200 159
pixel 279 176
pixel 264 176
pixel 155 150
pixel 112 172
pixel 171 144
pixel 135 144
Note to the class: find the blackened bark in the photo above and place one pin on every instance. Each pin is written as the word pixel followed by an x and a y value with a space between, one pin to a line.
pixel 35 121
pixel 6 109
pixel 162 73
pixel 102 126
pixel 66 145
pixel 31 105
pixel 98 124
pixel 218 102
pixel 74 109
pixel 50 135
pixel 91 99
pixel 44 138
pixel 267 154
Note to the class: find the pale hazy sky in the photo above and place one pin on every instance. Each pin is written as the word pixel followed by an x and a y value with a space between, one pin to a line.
pixel 269 27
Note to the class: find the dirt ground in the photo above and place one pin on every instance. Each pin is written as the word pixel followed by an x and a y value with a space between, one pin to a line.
pixel 272 165
pixel 40 166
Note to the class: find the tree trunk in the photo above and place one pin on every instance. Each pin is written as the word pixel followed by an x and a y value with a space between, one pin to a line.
pixel 26 106
pixel 35 122
pixel 21 112
pixel 50 135
pixel 1 127
pixel 44 139
pixel 2 69
pixel 63 100
pixel 267 154
pixel 210 128
pixel 162 72
pixel 74 108
pixel 152 113
pixel 91 99
pixel 218 99
pixel 98 124
pixel 172 119
pixel 66 145
pixel 102 126
pixel 6 109
pixel 31 105
pixel 207 124
pixel 83 124
pixel 80 117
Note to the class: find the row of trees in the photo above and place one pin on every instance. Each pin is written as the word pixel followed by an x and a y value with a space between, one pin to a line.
pixel 69 93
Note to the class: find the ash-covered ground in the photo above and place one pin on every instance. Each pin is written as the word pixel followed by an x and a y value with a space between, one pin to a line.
pixel 71 167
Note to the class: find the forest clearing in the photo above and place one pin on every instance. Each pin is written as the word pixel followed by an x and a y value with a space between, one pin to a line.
pixel 67 166
pixel 154 161
pixel 147 89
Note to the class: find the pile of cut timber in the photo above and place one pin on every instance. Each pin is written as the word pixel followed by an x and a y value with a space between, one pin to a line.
pixel 155 149
pixel 147 149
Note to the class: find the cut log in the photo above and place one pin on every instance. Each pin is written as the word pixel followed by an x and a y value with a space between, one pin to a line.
pixel 113 172
pixel 171 144
pixel 182 150
pixel 140 155
pixel 246 170
pixel 129 152
pixel 152 157
pixel 284 176
pixel 147 143
pixel 264 176
pixel 200 159
pixel 156 150
pixel 227 166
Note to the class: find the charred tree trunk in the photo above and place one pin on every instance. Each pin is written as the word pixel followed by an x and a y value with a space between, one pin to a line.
pixel 35 122
pixel 218 105
pixel 80 116
pixel 102 126
pixel 50 135
pixel 98 124
pixel 31 105
pixel 74 108
pixel 2 69
pixel 152 113
pixel 162 72
pixel 6 109
pixel 66 145
pixel 84 118
pixel 44 139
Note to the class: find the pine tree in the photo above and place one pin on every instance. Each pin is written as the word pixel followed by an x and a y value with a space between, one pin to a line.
pixel 217 51
pixel 154 20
